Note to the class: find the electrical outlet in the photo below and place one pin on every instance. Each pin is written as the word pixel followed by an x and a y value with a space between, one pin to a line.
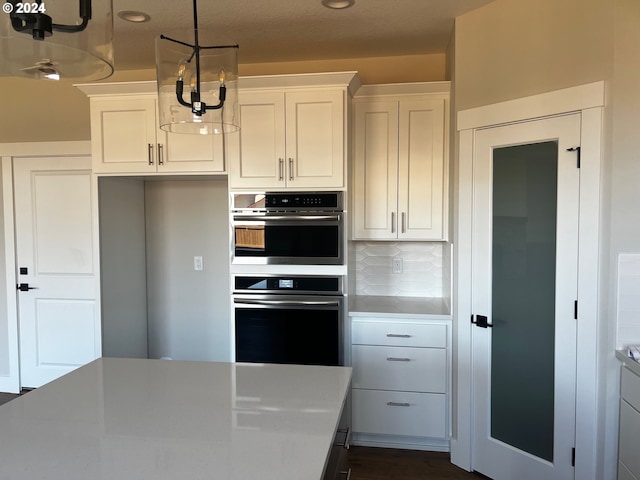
pixel 396 265
pixel 197 263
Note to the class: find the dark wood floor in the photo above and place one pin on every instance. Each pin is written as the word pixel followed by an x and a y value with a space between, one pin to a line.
pixel 388 464
pixel 5 397
pixel 368 463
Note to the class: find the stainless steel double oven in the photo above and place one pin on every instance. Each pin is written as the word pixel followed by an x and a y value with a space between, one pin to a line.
pixel 283 312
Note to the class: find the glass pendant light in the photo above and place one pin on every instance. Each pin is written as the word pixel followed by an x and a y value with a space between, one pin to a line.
pixel 197 84
pixel 61 39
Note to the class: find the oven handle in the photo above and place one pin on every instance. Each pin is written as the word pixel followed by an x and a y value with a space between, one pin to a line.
pixel 285 218
pixel 286 303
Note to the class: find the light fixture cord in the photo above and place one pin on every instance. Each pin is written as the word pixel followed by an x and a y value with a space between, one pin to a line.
pixel 197 46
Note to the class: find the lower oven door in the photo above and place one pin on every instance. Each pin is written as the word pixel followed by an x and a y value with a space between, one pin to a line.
pixel 289 329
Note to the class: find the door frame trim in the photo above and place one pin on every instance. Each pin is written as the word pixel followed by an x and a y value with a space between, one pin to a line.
pixel 8 153
pixel 588 100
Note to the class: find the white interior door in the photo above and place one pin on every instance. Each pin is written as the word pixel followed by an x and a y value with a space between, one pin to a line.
pixel 56 254
pixel 524 273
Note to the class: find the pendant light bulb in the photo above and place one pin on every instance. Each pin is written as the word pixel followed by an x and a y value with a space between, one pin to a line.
pixel 182 68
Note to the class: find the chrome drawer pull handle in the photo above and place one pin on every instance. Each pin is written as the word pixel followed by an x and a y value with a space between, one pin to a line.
pixel 397 359
pixel 397 335
pixel 398 404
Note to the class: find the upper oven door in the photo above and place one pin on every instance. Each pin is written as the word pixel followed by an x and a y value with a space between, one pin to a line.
pixel 288 238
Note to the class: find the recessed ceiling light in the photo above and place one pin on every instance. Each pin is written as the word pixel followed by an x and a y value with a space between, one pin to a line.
pixel 133 16
pixel 338 4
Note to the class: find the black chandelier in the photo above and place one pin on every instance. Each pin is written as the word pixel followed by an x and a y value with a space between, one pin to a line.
pixel 211 75
pixel 81 51
pixel 31 18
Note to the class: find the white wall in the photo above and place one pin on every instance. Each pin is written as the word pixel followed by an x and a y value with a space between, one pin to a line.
pixel 188 310
pixel 515 48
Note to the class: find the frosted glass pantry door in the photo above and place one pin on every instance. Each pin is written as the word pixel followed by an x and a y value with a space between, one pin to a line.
pixel 525 249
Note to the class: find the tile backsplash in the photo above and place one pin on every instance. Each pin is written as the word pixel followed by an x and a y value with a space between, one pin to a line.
pixel 628 299
pixel 425 269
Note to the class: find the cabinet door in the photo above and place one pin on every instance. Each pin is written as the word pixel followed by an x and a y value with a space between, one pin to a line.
pixel 376 170
pixel 257 152
pixel 315 139
pixel 421 170
pixel 123 135
pixel 179 152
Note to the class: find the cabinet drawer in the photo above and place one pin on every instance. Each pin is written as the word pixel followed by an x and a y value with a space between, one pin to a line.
pixel 629 435
pixel 630 388
pixel 399 334
pixel 399 413
pixel 399 368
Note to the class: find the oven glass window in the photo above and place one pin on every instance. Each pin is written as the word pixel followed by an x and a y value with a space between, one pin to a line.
pixel 287 241
pixel 300 336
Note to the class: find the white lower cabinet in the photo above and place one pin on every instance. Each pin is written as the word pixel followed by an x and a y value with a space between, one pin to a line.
pixel 385 412
pixel 628 459
pixel 400 383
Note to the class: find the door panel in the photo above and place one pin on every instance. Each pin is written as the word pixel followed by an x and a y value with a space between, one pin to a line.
pixel 315 139
pixel 421 163
pixel 525 239
pixel 376 170
pixel 59 314
pixel 258 150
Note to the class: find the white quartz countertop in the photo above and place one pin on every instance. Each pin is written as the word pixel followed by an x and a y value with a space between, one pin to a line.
pixel 629 362
pixel 406 307
pixel 126 419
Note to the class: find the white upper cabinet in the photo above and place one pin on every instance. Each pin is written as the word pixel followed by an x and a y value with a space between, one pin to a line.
pixel 291 137
pixel 400 163
pixel 126 138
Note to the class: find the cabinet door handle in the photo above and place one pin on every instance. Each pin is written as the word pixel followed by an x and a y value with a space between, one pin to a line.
pixel 160 154
pixel 398 335
pixel 290 169
pixel 347 434
pixel 398 404
pixel 346 473
pixel 398 359
pixel 393 222
pixel 403 223
pixel 151 154
pixel 280 169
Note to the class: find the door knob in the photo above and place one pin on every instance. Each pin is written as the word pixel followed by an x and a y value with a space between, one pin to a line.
pixel 24 287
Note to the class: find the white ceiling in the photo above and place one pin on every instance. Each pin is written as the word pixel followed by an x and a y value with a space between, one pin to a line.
pixel 290 30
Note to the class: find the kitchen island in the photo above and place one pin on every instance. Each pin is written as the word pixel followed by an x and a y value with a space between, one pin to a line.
pixel 126 419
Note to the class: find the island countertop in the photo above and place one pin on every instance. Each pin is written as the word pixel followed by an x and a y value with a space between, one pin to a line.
pixel 126 419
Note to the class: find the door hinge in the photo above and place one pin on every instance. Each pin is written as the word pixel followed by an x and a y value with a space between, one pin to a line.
pixel 575 310
pixel 573 457
pixel 578 151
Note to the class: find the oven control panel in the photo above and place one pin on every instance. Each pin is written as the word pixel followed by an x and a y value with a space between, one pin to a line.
pixel 293 284
pixel 301 200
pixel 287 201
